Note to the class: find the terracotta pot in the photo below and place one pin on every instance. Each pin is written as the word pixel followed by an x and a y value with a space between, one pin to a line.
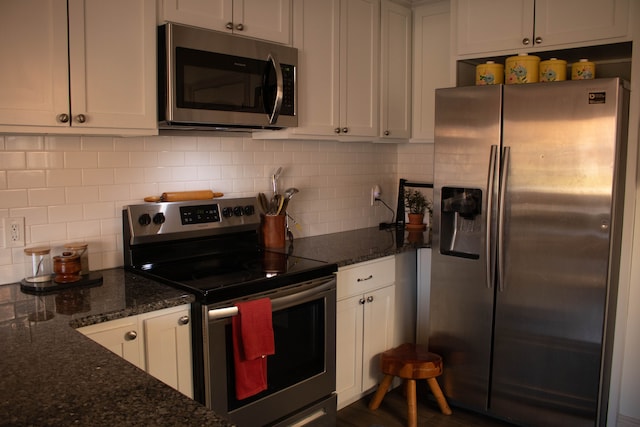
pixel 416 219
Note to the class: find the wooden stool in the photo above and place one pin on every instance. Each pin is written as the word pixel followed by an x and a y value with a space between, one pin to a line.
pixel 411 362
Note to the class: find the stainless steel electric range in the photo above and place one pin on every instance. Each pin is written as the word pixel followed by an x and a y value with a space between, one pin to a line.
pixel 212 249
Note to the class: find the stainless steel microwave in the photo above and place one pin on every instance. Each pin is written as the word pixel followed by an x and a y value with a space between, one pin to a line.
pixel 210 80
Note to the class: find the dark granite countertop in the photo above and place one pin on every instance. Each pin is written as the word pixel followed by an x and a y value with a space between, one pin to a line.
pixel 351 247
pixel 53 375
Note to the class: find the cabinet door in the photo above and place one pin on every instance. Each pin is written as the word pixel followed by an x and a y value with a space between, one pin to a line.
pixel 263 19
pixel 112 64
pixel 167 336
pixel 378 333
pixel 359 67
pixel 349 349
pixel 395 73
pixel 316 36
pixel 571 21
pixel 121 336
pixel 34 79
pixel 211 14
pixel 494 25
pixel 431 66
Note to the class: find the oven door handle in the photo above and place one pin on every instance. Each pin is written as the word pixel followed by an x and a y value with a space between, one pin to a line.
pixel 311 292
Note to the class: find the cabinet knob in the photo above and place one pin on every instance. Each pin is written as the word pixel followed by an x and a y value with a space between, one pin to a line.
pixel 184 320
pixel 362 301
pixel 538 40
pixel 369 298
pixel 526 41
pixel 81 118
pixel 130 336
pixel 239 27
pixel 337 130
pixel 229 26
pixel 63 118
pixel 345 130
pixel 360 279
pixel 387 133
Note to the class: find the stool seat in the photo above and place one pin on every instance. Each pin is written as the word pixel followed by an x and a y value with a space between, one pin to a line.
pixel 411 362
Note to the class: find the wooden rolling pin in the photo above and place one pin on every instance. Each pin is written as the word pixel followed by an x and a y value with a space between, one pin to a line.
pixel 178 196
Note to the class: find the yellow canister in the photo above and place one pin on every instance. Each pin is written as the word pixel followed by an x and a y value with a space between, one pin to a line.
pixel 583 70
pixel 523 68
pixel 553 70
pixel 489 73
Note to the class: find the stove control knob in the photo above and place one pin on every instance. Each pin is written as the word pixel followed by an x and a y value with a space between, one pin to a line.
pixel 144 219
pixel 249 210
pixel 159 218
pixel 227 212
pixel 237 211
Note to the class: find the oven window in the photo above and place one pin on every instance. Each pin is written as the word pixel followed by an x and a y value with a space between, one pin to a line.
pixel 299 334
pixel 214 81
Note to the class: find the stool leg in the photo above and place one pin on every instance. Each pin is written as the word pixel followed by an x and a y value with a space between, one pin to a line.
pixel 412 407
pixel 437 392
pixel 382 390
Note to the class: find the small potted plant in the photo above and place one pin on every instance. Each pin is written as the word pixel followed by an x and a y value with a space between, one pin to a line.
pixel 417 204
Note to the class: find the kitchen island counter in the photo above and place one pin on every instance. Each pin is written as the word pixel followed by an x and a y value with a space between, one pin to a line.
pixel 53 375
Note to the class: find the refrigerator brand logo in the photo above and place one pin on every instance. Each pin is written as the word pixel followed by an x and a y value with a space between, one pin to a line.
pixel 597 97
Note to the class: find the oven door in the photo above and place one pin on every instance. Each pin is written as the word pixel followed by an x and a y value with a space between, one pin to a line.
pixel 301 374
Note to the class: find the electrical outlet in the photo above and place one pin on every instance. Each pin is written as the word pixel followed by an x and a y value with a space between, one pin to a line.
pixel 14 232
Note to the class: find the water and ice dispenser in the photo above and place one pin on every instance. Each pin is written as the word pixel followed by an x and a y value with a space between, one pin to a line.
pixel 460 223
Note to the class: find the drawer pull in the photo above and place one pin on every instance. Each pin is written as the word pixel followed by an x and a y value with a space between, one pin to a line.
pixel 184 320
pixel 130 336
pixel 366 278
pixel 361 301
pixel 369 299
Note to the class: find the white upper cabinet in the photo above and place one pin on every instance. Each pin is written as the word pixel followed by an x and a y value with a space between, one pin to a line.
pixel 261 19
pixel 487 26
pixel 431 65
pixel 100 79
pixel 395 71
pixel 338 45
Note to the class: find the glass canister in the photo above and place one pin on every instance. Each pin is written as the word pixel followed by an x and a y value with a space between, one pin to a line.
pixel 489 73
pixel 37 264
pixel 522 68
pixel 583 70
pixel 553 70
pixel 80 248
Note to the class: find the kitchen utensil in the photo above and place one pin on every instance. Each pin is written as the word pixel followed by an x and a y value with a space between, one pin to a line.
pixel 274 179
pixel 281 201
pixel 263 202
pixel 177 196
pixel 289 192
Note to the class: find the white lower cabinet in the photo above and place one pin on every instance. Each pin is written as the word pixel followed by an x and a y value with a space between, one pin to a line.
pixel 158 342
pixel 365 325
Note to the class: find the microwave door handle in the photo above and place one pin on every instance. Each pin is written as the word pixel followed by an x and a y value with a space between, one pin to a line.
pixel 275 112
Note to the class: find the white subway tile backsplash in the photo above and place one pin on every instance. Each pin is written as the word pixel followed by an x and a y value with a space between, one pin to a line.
pixel 65 213
pixel 23 143
pixel 63 177
pixel 73 188
pixel 15 160
pixel 25 179
pixel 45 159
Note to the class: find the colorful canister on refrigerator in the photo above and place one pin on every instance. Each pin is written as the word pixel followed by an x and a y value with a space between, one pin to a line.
pixel 523 68
pixel 553 70
pixel 489 73
pixel 583 70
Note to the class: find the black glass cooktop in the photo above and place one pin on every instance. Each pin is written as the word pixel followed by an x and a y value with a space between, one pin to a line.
pixel 234 275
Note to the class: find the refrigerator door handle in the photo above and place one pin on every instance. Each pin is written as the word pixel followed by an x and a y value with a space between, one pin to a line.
pixel 490 233
pixel 501 208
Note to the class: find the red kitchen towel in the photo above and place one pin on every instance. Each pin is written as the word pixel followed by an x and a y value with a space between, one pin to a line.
pixel 252 343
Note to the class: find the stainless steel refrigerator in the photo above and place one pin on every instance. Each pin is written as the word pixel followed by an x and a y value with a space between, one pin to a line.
pixel 528 194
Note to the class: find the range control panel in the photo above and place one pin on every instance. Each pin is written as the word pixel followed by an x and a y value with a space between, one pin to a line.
pixel 151 222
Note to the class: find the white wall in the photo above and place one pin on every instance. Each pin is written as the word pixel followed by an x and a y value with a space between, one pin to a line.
pixel 73 188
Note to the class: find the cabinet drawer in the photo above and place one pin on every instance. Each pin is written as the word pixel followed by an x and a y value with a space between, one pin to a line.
pixel 366 276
